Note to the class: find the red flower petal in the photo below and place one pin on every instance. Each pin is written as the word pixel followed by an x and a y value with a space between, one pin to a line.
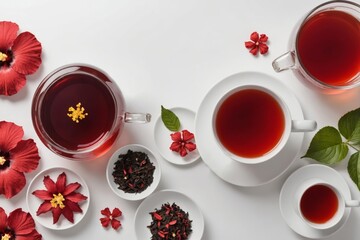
pixel 10 135
pixel 8 33
pixel 106 212
pixel 43 194
pixel 11 182
pixel 116 213
pixel 254 51
pixel 254 37
pixel 21 222
pixel 10 81
pixel 249 44
pixel 56 212
pixel 27 54
pixel 175 146
pixel 115 224
pixel 68 214
pixel 76 197
pixel 176 137
pixel 263 38
pixel 183 152
pixel 263 48
pixel 73 206
pixel 50 185
pixel 3 220
pixel 187 135
pixel 61 183
pixel 25 156
pixel 105 221
pixel 70 188
pixel 34 235
pixel 44 208
pixel 190 146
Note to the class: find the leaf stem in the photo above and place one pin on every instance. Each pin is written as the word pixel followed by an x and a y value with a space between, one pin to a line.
pixel 353 147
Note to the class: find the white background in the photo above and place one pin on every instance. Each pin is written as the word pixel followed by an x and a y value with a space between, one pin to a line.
pixel 170 52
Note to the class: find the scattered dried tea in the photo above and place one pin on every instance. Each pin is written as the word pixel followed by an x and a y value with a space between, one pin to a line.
pixel 133 172
pixel 170 222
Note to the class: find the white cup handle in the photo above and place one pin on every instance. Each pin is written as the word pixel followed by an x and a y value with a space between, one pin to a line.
pixel 303 125
pixel 352 203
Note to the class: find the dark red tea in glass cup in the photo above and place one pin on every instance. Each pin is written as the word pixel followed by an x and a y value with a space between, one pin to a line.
pixel 325 49
pixel 78 112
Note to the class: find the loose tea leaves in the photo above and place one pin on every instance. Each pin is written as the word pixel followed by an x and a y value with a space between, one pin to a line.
pixel 133 172
pixel 170 222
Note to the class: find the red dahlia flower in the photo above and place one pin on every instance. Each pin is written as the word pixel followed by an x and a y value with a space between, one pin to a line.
pixel 110 217
pixel 18 225
pixel 182 142
pixel 257 43
pixel 60 198
pixel 17 157
pixel 19 56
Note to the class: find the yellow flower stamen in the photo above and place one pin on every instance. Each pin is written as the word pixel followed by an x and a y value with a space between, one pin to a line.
pixel 2 162
pixel 3 58
pixel 6 237
pixel 78 113
pixel 58 201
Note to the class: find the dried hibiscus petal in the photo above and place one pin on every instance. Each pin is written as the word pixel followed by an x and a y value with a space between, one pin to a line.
pixel 257 43
pixel 111 218
pixel 181 142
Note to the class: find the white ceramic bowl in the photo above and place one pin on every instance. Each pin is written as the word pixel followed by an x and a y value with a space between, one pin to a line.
pixel 110 169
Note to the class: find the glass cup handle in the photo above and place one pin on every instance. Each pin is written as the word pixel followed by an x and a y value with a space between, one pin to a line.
pixel 284 62
pixel 137 117
pixel 303 125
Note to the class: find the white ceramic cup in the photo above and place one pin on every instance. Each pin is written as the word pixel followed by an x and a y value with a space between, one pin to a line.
pixel 338 215
pixel 291 125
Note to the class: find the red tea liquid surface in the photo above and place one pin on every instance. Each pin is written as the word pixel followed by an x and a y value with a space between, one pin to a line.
pixel 93 95
pixel 319 204
pixel 250 123
pixel 328 46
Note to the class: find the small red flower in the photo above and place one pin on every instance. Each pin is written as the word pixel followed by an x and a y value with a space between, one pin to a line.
pixel 20 55
pixel 110 217
pixel 18 225
pixel 181 142
pixel 257 43
pixel 17 157
pixel 60 198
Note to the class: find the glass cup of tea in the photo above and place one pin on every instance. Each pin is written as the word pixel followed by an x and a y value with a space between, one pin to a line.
pixel 325 49
pixel 321 205
pixel 78 112
pixel 252 124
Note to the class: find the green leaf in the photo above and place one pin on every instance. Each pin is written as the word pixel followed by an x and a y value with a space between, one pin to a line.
pixel 170 120
pixel 327 146
pixel 349 126
pixel 354 168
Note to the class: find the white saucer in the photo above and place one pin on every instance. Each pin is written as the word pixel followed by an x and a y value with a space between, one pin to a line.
pixel 246 175
pixel 163 139
pixel 143 218
pixel 34 202
pixel 287 193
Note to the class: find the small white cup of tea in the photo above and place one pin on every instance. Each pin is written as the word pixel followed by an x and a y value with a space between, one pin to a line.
pixel 252 124
pixel 320 204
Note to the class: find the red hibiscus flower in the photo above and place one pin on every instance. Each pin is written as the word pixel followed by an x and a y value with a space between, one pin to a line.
pixel 19 56
pixel 257 43
pixel 60 198
pixel 17 157
pixel 18 225
pixel 181 142
pixel 110 217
